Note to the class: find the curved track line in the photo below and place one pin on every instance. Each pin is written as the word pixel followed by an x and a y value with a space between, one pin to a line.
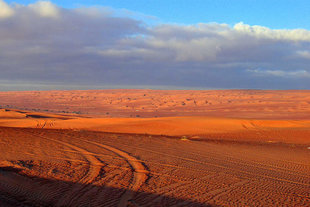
pixel 140 172
pixel 93 172
pixel 235 159
pixel 222 167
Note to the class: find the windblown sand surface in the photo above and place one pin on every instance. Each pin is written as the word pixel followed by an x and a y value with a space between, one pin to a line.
pixel 46 167
pixel 234 154
pixel 254 104
pixel 194 128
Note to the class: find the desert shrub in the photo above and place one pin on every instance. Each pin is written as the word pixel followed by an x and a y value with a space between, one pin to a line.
pixel 184 138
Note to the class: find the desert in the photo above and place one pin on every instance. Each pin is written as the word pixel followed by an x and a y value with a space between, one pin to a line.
pixel 178 103
pixel 80 150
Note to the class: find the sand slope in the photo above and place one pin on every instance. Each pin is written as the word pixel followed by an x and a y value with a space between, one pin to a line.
pixel 237 148
pixel 286 131
pixel 43 167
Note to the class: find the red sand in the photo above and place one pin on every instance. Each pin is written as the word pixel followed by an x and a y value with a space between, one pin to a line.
pixel 252 151
pixel 208 128
pixel 253 104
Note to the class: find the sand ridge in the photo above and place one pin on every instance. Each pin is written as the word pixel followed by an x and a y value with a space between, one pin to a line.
pixel 284 131
pixel 254 104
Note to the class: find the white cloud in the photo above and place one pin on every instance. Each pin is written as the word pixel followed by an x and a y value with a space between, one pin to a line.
pixel 201 49
pixel 282 73
pixel 45 9
pixel 95 45
pixel 275 34
pixel 5 10
pixel 304 54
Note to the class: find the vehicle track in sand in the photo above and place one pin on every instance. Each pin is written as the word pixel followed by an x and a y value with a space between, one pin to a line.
pixel 139 170
pixel 132 170
pixel 243 171
pixel 92 173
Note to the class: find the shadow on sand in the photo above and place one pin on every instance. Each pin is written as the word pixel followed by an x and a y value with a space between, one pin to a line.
pixel 18 189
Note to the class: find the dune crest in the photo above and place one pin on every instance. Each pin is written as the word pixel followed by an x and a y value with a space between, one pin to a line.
pixel 286 131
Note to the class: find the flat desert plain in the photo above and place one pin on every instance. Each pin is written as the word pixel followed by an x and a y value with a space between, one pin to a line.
pixel 155 148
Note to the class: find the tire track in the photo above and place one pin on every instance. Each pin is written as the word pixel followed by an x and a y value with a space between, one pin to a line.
pixel 94 170
pixel 249 171
pixel 236 160
pixel 221 166
pixel 139 171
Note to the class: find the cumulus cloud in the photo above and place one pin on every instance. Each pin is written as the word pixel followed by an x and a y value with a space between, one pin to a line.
pixel 5 10
pixel 45 9
pixel 42 42
pixel 276 34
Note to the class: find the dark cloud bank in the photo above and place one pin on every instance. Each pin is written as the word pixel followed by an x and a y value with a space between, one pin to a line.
pixel 42 45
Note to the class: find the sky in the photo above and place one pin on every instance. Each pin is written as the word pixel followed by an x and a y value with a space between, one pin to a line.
pixel 172 44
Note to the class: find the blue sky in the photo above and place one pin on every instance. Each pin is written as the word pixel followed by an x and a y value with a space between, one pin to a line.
pixel 154 44
pixel 276 14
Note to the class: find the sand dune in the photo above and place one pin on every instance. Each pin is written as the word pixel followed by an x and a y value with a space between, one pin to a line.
pixel 4 113
pixel 155 148
pixel 285 131
pixel 254 104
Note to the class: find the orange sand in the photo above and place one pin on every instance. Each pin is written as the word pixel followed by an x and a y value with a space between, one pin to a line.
pixel 286 131
pixel 216 148
pixel 252 104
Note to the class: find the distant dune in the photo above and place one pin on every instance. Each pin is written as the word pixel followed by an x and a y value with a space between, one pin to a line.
pixel 254 104
pixel 155 148
pixel 196 128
